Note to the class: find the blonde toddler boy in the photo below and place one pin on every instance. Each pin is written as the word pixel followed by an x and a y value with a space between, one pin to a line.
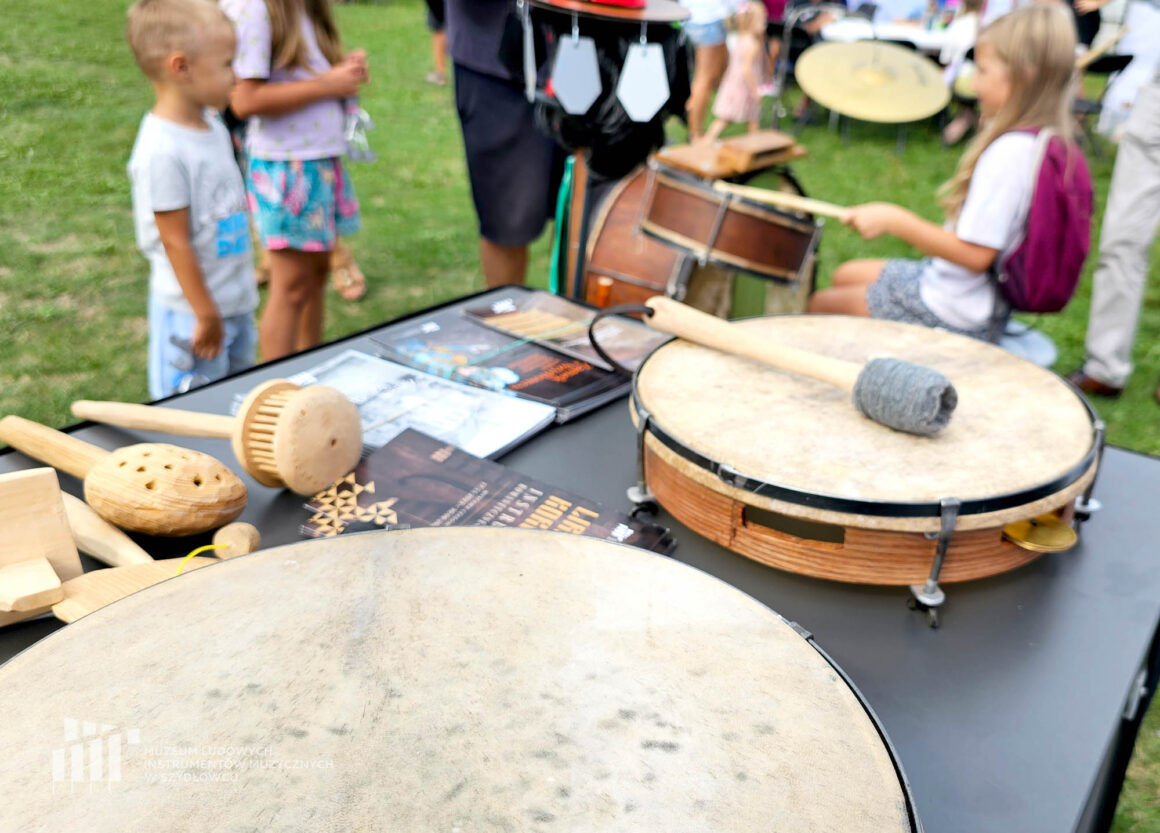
pixel 189 201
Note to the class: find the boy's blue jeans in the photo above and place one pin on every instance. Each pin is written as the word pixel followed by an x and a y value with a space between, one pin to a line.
pixel 172 366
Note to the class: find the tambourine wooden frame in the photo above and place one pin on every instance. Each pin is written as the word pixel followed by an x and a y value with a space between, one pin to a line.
pixel 862 542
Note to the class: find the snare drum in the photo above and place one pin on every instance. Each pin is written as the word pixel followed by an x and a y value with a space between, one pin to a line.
pixel 441 679
pixel 686 212
pixel 783 469
pixel 629 266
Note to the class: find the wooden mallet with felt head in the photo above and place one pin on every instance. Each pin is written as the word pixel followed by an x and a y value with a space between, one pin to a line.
pixel 896 393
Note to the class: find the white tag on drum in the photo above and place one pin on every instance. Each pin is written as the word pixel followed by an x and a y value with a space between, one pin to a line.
pixel 644 81
pixel 576 75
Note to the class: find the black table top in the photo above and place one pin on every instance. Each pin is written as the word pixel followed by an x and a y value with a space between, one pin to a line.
pixel 1002 717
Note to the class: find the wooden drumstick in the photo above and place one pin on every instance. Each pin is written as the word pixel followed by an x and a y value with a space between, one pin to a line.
pixel 236 539
pixel 284 435
pixel 1088 58
pixel 153 488
pixel 99 538
pixel 781 199
pixel 898 394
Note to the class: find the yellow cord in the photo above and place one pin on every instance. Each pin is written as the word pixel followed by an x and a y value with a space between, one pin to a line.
pixel 206 548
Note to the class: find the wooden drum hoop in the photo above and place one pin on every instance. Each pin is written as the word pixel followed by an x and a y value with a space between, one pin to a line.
pixel 799 480
pixel 442 679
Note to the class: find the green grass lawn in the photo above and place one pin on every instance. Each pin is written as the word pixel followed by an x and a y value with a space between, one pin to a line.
pixel 73 286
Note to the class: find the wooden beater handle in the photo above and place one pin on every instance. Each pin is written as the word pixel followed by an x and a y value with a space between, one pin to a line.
pixel 781 199
pixel 149 418
pixel 99 538
pixel 1088 58
pixel 690 324
pixel 59 450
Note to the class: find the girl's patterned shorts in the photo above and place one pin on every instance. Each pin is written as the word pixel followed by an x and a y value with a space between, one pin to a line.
pixel 895 296
pixel 305 205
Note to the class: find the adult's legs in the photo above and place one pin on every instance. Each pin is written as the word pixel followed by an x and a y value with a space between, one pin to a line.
pixel 709 64
pixel 513 169
pixel 292 319
pixel 438 56
pixel 1130 223
pixel 502 265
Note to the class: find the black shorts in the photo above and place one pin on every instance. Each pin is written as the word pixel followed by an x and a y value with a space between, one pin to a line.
pixel 514 168
pixel 436 15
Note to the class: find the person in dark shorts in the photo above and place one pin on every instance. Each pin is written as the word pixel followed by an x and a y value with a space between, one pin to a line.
pixel 436 22
pixel 514 169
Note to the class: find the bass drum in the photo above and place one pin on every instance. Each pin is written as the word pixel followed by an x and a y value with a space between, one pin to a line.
pixel 623 265
pixel 444 679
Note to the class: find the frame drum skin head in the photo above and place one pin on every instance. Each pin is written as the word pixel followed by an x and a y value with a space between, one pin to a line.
pixel 1016 427
pixel 441 679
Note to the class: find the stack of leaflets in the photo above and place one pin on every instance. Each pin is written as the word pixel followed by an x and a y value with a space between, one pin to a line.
pixel 392 398
pixel 562 325
pixel 419 481
pixel 455 345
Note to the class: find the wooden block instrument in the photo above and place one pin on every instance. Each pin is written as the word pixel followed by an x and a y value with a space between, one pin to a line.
pixel 38 552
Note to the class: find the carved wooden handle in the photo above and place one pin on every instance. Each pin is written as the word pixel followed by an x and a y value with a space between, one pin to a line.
pixel 59 450
pixel 149 418
pixel 693 325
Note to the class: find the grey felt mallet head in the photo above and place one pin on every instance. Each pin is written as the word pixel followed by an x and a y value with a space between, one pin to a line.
pixel 905 396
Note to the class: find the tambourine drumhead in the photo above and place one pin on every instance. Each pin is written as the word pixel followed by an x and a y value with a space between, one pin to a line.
pixel 442 679
pixel 1016 428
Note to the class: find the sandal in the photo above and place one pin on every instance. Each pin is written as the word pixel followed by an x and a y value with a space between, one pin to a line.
pixel 347 278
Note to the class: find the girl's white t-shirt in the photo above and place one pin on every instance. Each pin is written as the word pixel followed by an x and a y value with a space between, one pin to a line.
pixel 313 132
pixel 993 214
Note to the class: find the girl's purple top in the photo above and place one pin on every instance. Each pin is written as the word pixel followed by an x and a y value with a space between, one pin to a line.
pixel 315 131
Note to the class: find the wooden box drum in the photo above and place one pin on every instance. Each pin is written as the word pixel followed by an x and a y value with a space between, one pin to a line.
pixel 624 265
pixel 784 470
pixel 442 679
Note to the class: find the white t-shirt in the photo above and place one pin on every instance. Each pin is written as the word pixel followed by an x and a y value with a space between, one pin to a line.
pixel 174 167
pixel 992 215
pixel 711 11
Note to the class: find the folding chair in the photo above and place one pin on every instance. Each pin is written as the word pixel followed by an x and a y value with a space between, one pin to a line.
pixel 1086 110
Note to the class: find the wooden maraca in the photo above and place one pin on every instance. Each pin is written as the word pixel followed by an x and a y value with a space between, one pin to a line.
pixel 285 435
pixel 153 488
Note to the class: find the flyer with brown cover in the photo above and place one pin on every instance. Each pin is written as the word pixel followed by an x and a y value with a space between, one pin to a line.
pixel 418 481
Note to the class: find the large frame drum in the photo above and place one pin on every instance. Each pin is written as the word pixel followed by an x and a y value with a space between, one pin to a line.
pixel 442 679
pixel 784 470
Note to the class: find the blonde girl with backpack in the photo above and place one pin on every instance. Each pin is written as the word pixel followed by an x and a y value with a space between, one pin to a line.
pixel 293 77
pixel 1026 64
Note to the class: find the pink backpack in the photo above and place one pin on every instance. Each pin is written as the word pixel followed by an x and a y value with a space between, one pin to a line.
pixel 1041 270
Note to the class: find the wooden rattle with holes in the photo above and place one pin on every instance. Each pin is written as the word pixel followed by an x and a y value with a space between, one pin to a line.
pixel 154 488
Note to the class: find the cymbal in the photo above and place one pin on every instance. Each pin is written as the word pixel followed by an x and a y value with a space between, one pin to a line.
pixel 1046 533
pixel 654 11
pixel 872 81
